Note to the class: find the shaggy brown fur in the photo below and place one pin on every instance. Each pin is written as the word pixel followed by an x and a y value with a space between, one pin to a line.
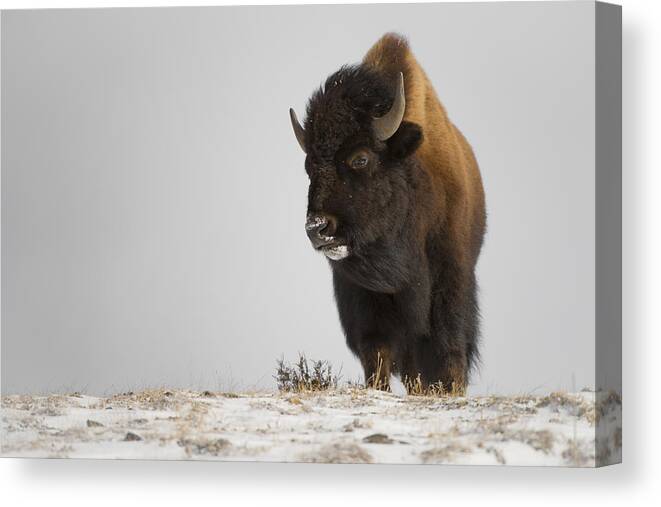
pixel 444 153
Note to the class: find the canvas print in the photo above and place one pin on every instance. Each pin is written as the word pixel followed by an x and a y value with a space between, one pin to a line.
pixel 327 234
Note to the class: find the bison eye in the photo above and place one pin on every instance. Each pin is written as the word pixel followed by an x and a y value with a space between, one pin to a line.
pixel 359 161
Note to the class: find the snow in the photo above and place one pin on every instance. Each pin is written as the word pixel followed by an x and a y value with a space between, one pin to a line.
pixel 337 252
pixel 341 426
pixel 315 222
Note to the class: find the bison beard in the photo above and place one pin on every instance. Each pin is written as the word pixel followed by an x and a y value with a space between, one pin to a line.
pixel 396 204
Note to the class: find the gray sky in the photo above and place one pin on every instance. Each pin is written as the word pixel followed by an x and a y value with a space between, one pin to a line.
pixel 153 194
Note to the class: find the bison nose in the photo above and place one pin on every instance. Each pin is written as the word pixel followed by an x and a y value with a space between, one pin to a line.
pixel 321 228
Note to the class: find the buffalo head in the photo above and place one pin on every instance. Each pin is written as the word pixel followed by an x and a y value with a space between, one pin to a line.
pixel 358 159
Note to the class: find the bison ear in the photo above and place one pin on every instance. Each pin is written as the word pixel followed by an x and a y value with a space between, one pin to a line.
pixel 405 141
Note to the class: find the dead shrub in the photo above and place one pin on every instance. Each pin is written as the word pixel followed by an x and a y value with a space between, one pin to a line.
pixel 305 375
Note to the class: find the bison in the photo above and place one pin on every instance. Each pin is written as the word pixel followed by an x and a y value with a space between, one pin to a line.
pixel 397 206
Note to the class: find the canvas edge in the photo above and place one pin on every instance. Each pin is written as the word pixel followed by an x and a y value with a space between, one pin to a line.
pixel 608 233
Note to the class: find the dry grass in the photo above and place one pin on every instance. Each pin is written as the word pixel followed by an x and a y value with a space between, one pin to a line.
pixel 380 380
pixel 606 402
pixel 305 376
pixel 444 454
pixel 499 429
pixel 204 446
pixel 338 452
pixel 500 457
pixel 540 440
pixel 415 387
pixel 149 399
pixel 572 403
pixel 48 406
pixel 576 454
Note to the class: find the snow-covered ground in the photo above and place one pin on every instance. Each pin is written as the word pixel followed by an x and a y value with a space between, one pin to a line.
pixel 342 426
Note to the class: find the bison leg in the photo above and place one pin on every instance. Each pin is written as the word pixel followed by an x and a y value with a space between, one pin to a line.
pixel 456 372
pixel 377 366
pixel 409 373
pixel 436 369
pixel 461 351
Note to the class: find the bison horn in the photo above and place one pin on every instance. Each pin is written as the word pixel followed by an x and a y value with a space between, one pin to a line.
pixel 299 131
pixel 386 126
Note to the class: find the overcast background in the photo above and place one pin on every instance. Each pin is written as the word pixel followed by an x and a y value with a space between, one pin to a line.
pixel 153 194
